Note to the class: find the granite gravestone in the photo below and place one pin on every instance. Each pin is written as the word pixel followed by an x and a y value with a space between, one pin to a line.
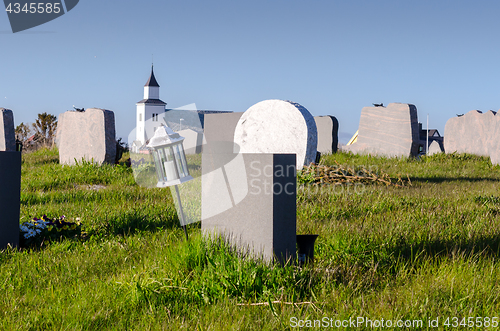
pixel 220 128
pixel 10 195
pixel 388 131
pixel 474 133
pixel 277 126
pixel 193 141
pixel 88 135
pixel 328 128
pixel 250 200
pixel 434 148
pixel 7 132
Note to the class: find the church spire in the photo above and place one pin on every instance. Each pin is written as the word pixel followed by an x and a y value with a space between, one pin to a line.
pixel 152 80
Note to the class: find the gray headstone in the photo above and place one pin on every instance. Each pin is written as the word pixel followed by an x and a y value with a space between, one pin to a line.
pixel 7 131
pixel 277 126
pixel 193 141
pixel 88 135
pixel 434 148
pixel 10 195
pixel 220 128
pixel 388 131
pixel 328 128
pixel 473 133
pixel 250 199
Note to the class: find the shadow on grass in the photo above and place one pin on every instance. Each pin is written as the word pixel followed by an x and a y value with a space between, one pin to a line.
pixel 452 179
pixel 370 269
pixel 484 246
pixel 135 223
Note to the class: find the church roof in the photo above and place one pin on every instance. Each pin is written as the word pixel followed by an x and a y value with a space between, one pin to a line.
pixel 152 80
pixel 153 101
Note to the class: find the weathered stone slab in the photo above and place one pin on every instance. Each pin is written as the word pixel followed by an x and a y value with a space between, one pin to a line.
pixel 193 141
pixel 328 127
pixel 7 131
pixel 88 135
pixel 388 131
pixel 10 196
pixel 277 126
pixel 251 200
pixel 474 133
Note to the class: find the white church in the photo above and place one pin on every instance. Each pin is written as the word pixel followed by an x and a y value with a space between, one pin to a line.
pixel 149 110
pixel 151 114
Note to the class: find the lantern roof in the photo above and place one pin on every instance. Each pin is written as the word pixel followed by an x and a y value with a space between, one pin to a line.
pixel 164 136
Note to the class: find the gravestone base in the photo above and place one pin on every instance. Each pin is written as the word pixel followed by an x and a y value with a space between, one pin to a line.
pixel 10 196
pixel 250 200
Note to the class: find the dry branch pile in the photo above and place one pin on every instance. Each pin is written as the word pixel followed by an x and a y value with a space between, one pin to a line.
pixel 322 174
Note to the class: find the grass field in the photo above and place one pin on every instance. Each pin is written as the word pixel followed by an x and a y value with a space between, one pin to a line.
pixel 416 253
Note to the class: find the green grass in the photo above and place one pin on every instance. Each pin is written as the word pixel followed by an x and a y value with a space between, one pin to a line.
pixel 414 253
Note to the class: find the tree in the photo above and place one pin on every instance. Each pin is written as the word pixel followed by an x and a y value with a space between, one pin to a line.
pixel 45 127
pixel 23 132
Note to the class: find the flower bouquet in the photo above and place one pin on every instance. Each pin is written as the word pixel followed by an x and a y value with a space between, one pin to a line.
pixel 39 230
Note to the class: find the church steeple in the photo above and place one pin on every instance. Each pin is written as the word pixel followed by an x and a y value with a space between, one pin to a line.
pixel 152 80
pixel 150 110
pixel 152 88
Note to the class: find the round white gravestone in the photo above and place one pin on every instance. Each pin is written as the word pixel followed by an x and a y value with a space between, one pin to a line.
pixel 277 126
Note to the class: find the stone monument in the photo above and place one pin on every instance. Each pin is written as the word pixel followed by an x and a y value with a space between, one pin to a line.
pixel 388 131
pixel 193 141
pixel 277 126
pixel 434 148
pixel 220 128
pixel 87 135
pixel 250 199
pixel 10 195
pixel 474 133
pixel 328 127
pixel 7 132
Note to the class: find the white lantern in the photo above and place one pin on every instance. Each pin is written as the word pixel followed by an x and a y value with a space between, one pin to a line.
pixel 170 159
pixel 170 162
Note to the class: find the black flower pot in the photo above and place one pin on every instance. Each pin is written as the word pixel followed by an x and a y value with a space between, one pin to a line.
pixel 305 247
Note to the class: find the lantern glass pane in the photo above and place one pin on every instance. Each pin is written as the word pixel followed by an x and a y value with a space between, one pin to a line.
pixel 169 165
pixel 179 158
pixel 161 161
pixel 183 159
pixel 168 153
pixel 159 169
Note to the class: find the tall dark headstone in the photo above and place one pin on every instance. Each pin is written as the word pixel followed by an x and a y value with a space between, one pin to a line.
pixel 10 195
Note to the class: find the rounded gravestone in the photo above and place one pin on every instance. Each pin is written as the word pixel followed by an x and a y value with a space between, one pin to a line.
pixel 277 126
pixel 434 148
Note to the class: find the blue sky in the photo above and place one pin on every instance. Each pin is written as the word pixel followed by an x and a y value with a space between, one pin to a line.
pixel 332 57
